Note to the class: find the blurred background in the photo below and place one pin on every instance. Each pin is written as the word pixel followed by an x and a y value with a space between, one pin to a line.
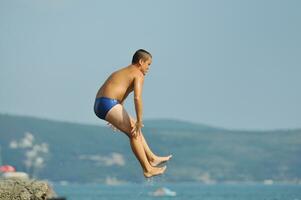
pixel 223 92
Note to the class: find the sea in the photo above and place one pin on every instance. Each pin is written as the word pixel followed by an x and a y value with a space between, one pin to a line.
pixel 150 190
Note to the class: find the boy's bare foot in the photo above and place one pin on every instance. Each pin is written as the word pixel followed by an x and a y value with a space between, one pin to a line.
pixel 154 172
pixel 158 160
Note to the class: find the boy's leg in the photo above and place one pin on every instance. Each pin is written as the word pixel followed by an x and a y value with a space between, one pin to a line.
pixel 118 117
pixel 150 155
pixel 152 158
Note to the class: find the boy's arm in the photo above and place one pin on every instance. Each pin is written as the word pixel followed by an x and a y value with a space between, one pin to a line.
pixel 138 84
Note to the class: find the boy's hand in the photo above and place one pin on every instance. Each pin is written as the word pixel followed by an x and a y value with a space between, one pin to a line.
pixel 136 128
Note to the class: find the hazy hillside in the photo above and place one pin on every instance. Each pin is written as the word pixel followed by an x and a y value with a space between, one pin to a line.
pixel 82 153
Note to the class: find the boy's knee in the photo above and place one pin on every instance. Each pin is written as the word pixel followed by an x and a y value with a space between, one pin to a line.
pixel 133 121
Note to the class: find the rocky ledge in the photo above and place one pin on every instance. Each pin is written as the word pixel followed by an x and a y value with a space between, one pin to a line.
pixel 19 189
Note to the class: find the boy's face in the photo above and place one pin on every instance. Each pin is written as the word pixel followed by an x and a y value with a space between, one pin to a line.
pixel 145 65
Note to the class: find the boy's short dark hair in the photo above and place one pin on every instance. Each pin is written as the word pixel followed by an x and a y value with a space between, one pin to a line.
pixel 141 54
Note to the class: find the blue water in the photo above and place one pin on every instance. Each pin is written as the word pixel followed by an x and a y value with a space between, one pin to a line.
pixel 189 191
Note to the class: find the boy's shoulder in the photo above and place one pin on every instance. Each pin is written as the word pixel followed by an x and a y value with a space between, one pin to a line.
pixel 137 74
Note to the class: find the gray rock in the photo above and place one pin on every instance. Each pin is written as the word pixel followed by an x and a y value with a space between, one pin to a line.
pixel 19 189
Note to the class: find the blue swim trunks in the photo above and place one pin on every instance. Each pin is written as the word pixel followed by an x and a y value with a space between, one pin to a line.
pixel 103 105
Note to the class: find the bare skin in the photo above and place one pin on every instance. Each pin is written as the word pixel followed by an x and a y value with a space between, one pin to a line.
pixel 152 158
pixel 118 86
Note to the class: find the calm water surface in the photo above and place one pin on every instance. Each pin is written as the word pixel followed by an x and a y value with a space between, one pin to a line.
pixel 189 191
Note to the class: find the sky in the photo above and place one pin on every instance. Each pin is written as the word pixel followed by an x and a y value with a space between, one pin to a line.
pixel 234 64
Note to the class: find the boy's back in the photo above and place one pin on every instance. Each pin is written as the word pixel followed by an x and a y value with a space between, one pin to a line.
pixel 120 83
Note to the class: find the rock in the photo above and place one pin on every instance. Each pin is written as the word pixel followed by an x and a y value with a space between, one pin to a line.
pixel 20 189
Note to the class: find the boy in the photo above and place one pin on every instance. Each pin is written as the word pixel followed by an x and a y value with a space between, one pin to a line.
pixel 109 107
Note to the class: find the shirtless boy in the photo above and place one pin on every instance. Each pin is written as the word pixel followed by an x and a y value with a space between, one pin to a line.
pixel 109 107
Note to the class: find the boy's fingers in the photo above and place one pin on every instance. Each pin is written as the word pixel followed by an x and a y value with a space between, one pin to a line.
pixel 134 133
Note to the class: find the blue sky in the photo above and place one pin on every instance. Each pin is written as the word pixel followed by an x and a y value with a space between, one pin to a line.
pixel 234 64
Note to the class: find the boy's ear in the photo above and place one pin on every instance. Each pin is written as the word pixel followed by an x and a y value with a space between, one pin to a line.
pixel 141 62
